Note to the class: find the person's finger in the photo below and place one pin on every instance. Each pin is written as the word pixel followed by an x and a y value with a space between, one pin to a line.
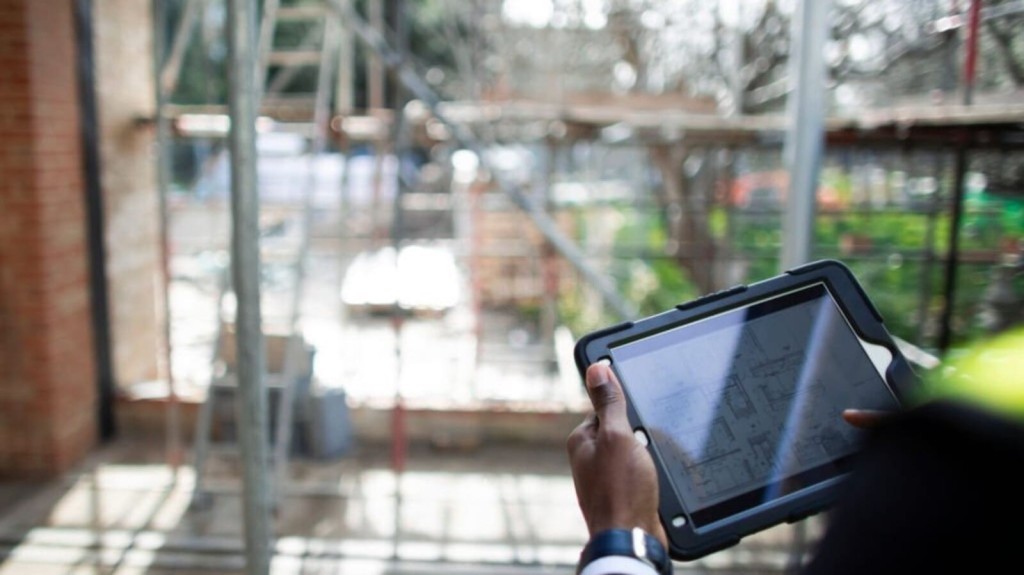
pixel 606 395
pixel 864 418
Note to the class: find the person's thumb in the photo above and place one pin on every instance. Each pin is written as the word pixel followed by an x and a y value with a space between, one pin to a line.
pixel 606 395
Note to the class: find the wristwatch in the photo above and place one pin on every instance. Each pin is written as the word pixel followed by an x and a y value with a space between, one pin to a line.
pixel 635 543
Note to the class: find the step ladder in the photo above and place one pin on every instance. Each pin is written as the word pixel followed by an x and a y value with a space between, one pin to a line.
pixel 294 358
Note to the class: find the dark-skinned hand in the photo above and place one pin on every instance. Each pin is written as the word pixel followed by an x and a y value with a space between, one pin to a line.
pixel 616 483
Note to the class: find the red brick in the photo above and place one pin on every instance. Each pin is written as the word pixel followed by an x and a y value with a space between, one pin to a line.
pixel 47 387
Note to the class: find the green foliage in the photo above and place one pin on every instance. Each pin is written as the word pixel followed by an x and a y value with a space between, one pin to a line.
pixel 652 282
pixel 574 314
pixel 886 249
pixel 668 287
pixel 896 285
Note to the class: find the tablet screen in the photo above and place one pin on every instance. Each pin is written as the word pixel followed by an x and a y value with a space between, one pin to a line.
pixel 744 407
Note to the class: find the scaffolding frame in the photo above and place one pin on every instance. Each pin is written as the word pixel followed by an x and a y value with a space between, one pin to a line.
pixel 243 110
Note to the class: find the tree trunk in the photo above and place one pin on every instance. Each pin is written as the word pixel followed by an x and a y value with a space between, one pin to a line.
pixel 685 206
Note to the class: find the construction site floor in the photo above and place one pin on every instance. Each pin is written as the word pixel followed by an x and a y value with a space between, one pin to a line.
pixel 494 509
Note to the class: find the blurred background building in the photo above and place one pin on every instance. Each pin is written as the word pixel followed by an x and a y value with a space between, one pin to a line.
pixel 451 192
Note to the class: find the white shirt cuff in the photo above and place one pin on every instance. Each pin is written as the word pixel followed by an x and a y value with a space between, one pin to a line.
pixel 618 565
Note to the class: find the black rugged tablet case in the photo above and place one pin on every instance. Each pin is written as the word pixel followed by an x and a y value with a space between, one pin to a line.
pixel 684 542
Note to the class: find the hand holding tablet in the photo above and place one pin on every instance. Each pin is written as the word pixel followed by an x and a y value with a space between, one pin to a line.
pixel 740 397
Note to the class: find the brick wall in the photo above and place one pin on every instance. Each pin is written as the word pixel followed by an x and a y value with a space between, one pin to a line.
pixel 47 375
pixel 123 47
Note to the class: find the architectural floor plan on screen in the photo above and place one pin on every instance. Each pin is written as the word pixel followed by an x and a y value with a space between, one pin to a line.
pixel 742 406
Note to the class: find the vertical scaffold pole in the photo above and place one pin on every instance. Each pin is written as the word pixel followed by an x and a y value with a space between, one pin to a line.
pixel 961 165
pixel 245 268
pixel 164 81
pixel 805 140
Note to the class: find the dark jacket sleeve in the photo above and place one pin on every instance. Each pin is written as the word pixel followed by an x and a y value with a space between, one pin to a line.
pixel 939 489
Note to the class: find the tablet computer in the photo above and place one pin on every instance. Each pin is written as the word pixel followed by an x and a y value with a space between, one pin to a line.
pixel 738 396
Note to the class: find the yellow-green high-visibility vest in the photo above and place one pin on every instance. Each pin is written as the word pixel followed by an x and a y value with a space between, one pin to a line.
pixel 989 375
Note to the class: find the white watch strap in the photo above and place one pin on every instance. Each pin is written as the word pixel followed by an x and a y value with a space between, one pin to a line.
pixel 619 565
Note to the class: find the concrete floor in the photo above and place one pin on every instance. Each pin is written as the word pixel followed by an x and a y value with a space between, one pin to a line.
pixel 494 509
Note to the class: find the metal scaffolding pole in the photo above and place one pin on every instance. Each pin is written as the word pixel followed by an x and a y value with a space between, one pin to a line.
pixel 344 94
pixel 169 69
pixel 408 76
pixel 802 153
pixel 296 340
pixel 165 80
pixel 375 71
pixel 399 144
pixel 960 175
pixel 805 140
pixel 245 266
pixel 266 41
